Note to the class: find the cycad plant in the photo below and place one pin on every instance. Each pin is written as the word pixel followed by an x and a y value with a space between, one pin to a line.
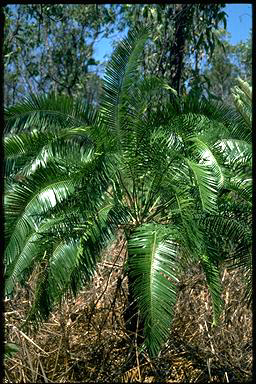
pixel 236 200
pixel 74 176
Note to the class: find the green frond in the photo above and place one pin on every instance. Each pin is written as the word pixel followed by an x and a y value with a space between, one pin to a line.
pixel 39 193
pixel 43 303
pixel 234 152
pixel 10 349
pixel 190 236
pixel 63 261
pixel 69 257
pixel 20 263
pixel 26 151
pixel 202 153
pixel 47 111
pixel 243 187
pixel 245 88
pixel 96 237
pixel 207 184
pixel 222 231
pixel 27 202
pixel 23 254
pixel 152 266
pixel 18 168
pixel 213 280
pixel 27 143
pixel 121 73
pixel 135 121
pixel 220 114
pixel 50 191
pixel 54 280
pixel 242 97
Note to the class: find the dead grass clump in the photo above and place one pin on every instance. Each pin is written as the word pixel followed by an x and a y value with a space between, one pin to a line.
pixel 223 353
pixel 85 339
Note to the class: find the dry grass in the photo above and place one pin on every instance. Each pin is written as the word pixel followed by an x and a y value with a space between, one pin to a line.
pixel 85 340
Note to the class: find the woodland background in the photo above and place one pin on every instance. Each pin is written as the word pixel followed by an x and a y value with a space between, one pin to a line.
pixel 49 49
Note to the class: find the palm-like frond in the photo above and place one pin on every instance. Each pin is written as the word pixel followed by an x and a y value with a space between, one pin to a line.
pixel 152 266
pixel 121 74
pixel 70 263
pixel 47 192
pixel 207 185
pixel 43 111
pixel 226 120
pixel 19 149
pixel 228 238
pixel 207 172
pixel 31 251
pixel 30 199
pixel 212 275
pixel 235 153
pixel 26 151
pixel 242 97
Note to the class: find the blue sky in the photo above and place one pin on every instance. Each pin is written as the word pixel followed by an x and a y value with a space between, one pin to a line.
pixel 239 24
pixel 239 21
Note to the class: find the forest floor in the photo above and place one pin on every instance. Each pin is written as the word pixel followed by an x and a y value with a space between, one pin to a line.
pixel 85 339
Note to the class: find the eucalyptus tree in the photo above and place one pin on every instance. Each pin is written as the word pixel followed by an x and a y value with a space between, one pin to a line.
pixel 226 65
pixel 50 47
pixel 36 60
pixel 75 176
pixel 184 35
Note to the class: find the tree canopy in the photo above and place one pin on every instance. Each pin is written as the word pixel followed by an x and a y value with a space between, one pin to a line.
pixel 187 48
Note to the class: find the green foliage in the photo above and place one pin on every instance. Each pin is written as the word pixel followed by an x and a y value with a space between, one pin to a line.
pixel 226 64
pixel 160 170
pixel 182 33
pixel 10 349
pixel 36 60
pixel 152 259
pixel 242 97
pixel 183 37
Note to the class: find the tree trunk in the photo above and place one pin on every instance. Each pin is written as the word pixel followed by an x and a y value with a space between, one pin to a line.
pixel 177 50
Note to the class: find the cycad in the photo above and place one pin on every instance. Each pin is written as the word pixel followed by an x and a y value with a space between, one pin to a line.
pixel 240 182
pixel 242 97
pixel 155 170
